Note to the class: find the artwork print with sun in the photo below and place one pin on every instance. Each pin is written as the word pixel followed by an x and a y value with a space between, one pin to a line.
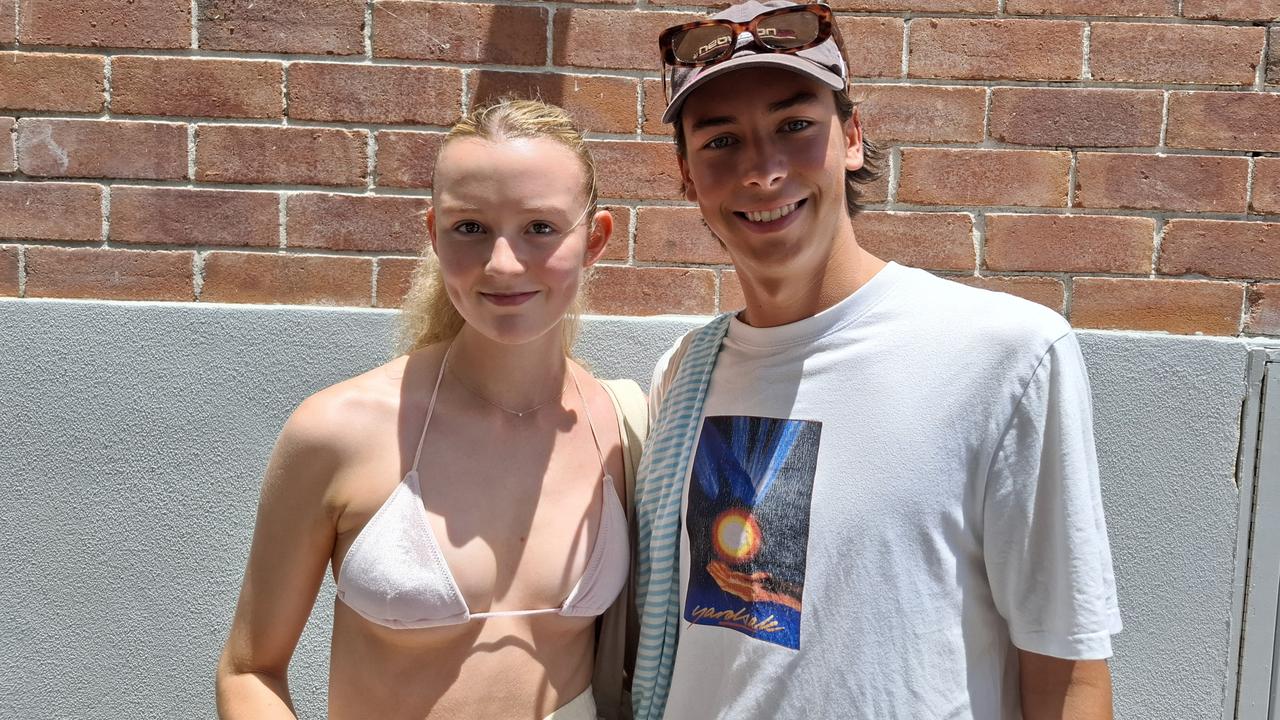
pixel 748 525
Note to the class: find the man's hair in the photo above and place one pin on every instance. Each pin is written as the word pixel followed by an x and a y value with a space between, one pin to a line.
pixel 872 155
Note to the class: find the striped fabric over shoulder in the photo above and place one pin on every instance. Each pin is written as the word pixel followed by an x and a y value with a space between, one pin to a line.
pixel 659 490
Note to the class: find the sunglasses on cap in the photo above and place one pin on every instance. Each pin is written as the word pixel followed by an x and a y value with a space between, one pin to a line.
pixel 783 30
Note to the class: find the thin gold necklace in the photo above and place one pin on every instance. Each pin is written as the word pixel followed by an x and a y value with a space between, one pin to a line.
pixel 518 413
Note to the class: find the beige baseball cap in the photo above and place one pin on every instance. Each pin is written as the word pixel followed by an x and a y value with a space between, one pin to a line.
pixel 822 62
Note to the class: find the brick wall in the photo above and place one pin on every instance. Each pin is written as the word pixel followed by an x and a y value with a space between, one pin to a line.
pixel 1117 160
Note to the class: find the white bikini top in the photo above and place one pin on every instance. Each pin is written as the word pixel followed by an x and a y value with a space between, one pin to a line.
pixel 395 575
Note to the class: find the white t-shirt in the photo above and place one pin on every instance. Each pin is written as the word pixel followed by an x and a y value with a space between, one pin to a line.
pixel 886 499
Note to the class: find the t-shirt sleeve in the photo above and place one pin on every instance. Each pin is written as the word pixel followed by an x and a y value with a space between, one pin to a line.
pixel 1044 535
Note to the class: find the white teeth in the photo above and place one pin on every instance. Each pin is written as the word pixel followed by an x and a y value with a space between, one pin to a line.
pixel 771 215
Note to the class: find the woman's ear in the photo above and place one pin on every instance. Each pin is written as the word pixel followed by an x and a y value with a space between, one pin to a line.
pixel 431 226
pixel 601 231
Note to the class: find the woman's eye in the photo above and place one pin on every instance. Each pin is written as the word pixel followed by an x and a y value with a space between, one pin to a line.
pixel 469 227
pixel 541 228
pixel 721 142
pixel 796 125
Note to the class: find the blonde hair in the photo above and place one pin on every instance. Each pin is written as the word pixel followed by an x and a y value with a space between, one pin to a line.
pixel 428 315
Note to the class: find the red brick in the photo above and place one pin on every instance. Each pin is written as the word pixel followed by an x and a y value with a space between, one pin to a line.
pixel 1266 186
pixel 104 274
pixel 1049 292
pixel 1184 307
pixel 8 11
pixel 619 248
pixel 374 93
pixel 179 216
pixel 106 23
pixel 315 27
pixel 984 177
pixel 731 297
pixel 873 46
pixel 395 277
pixel 676 235
pixel 637 170
pixel 614 290
pixel 407 159
pixel 1221 248
pixel 9 271
pixel 50 211
pixel 876 191
pixel 996 49
pixel 1273 56
pixel 1069 243
pixel 274 278
pixel 1264 310
pixel 43 81
pixel 102 149
pixel 196 87
pixel 1169 53
pixel 937 241
pixel 291 155
pixel 602 104
pixel 609 38
pixel 371 223
pixel 460 32
pixel 1225 121
pixel 1268 10
pixel 1186 183
pixel 8 154
pixel 1103 8
pixel 655 104
pixel 925 6
pixel 1076 117
pixel 922 113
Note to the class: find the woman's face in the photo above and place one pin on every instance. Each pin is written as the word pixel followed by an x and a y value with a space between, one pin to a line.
pixel 508 225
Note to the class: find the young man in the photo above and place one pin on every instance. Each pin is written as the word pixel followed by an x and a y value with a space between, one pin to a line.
pixel 873 492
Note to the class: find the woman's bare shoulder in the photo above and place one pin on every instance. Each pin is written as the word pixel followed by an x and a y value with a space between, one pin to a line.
pixel 340 419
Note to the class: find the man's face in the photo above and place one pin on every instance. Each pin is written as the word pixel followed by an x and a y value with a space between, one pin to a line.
pixel 765 161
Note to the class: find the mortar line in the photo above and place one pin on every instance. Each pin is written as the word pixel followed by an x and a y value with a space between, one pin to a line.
pixel 285 70
pixel 191 154
pixel 106 88
pixel 895 175
pixel 1260 77
pixel 641 95
pixel 106 216
pixel 979 241
pixel 370 148
pixel 1086 69
pixel 197 274
pixel 906 46
pixel 373 284
pixel 195 23
pixel 368 29
pixel 1164 123
pixel 1248 186
pixel 465 97
pixel 1156 241
pixel 1068 295
pixel 1071 181
pixel 22 271
pixel 282 221
pixel 548 61
pixel 986 116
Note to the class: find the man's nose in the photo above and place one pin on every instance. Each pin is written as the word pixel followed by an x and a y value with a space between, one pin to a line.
pixel 766 166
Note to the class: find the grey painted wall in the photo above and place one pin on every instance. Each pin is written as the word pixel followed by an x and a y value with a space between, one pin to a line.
pixel 135 435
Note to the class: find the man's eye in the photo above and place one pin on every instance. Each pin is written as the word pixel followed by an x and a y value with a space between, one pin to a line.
pixel 723 141
pixel 796 125
pixel 470 227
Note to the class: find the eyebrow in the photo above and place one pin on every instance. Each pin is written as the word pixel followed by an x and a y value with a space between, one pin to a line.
pixel 800 98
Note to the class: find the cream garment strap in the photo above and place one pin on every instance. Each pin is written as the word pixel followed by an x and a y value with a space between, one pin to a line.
pixel 587 411
pixel 431 407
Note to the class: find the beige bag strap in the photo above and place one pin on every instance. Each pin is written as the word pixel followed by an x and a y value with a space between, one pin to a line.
pixel 632 407
pixel 618 627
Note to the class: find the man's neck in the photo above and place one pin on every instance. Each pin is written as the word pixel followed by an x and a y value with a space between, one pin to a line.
pixel 796 293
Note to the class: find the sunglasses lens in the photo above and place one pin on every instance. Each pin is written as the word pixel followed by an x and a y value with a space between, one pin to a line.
pixel 788 30
pixel 702 44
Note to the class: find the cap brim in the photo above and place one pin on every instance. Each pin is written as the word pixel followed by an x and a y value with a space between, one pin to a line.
pixel 785 61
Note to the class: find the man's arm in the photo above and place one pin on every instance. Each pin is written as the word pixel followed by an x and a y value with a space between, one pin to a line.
pixel 1057 689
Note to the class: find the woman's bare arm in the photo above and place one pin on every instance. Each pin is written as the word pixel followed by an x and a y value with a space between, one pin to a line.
pixel 292 542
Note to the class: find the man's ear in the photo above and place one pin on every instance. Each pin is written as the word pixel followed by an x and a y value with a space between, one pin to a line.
pixel 601 231
pixel 854 156
pixel 686 182
pixel 431 226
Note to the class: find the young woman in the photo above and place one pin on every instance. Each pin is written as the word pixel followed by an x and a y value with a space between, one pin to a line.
pixel 469 494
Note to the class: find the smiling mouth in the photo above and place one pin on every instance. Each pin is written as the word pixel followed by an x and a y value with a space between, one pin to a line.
pixel 510 298
pixel 777 213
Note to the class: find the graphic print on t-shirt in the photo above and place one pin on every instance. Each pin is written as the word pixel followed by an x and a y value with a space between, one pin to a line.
pixel 748 525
